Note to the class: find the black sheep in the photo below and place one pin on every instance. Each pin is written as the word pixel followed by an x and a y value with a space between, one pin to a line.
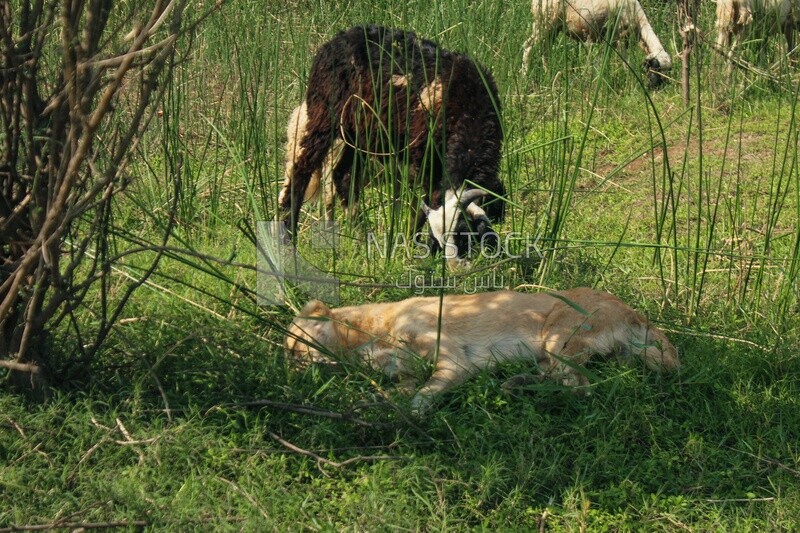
pixel 387 94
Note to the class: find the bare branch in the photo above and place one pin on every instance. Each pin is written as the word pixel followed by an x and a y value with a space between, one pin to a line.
pixel 301 409
pixel 247 496
pixel 321 460
pixel 76 525
pixel 20 367
pixel 51 171
pixel 112 62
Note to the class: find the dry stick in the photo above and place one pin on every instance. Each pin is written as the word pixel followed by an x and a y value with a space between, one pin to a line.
pixel 247 496
pixel 123 430
pixel 76 525
pixel 742 500
pixel 164 13
pixel 768 461
pixel 742 63
pixel 322 460
pixel 129 440
pixel 89 453
pixel 5 224
pixel 302 409
pixel 341 449
pixel 32 312
pixel 19 367
pixel 542 520
pixel 114 61
pixel 17 427
pixel 688 33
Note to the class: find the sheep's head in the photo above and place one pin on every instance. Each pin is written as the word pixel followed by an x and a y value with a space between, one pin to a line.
pixel 459 225
pixel 656 66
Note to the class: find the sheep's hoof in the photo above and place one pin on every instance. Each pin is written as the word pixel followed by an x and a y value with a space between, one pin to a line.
pixel 655 78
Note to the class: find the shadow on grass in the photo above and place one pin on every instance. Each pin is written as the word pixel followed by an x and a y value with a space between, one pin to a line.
pixel 714 445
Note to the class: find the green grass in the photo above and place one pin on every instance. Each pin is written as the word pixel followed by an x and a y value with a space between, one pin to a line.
pixel 692 218
pixel 713 449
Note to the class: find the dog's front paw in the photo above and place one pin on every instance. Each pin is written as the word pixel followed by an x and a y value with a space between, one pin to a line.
pixel 421 405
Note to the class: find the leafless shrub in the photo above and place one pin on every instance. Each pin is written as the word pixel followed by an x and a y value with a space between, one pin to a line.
pixel 80 80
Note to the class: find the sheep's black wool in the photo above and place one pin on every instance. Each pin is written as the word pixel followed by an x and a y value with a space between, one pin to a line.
pixel 388 94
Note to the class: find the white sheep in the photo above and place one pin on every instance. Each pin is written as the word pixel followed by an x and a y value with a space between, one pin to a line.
pixel 736 18
pixel 592 21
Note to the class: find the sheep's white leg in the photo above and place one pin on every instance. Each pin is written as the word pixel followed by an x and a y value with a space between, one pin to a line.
pixel 526 52
pixel 724 47
pixel 788 33
pixel 734 43
pixel 537 34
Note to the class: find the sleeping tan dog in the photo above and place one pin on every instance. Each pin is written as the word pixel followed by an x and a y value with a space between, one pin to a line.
pixel 559 330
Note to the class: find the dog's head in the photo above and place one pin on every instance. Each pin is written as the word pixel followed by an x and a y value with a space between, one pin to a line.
pixel 459 225
pixel 312 335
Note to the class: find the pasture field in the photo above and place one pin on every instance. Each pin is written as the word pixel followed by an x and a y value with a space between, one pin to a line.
pixel 193 420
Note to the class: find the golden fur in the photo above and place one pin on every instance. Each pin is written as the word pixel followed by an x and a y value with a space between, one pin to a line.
pixel 560 331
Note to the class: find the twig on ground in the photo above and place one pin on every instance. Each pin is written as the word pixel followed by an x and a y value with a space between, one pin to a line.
pixel 542 520
pixel 674 521
pixel 330 450
pixel 301 409
pixel 741 500
pixel 129 440
pixel 247 496
pixel 76 525
pixel 323 461
pixel 36 449
pixel 16 426
pixel 768 460
pixel 90 452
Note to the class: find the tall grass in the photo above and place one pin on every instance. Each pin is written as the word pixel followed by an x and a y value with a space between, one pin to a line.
pixel 580 127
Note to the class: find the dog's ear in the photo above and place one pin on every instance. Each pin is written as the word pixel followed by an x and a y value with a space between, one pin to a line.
pixel 315 308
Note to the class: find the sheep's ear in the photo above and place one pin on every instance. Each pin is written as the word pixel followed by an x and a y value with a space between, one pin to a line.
pixel 469 196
